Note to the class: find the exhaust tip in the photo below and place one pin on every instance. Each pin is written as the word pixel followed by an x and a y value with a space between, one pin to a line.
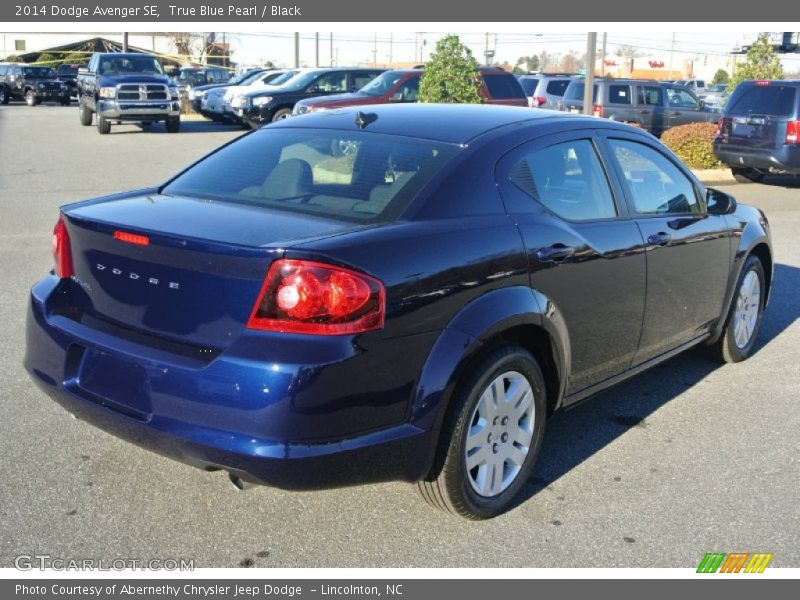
pixel 239 483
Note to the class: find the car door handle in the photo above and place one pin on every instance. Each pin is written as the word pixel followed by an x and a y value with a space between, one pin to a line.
pixel 659 239
pixel 554 253
pixel 676 113
pixel 645 112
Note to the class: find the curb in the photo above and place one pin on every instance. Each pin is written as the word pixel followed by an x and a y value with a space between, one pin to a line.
pixel 714 176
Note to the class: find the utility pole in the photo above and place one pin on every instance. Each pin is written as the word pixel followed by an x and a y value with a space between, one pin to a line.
pixel 588 88
pixel 391 42
pixel 375 50
pixel 316 41
pixel 603 60
pixel 297 49
pixel 331 51
pixel 125 41
pixel 672 55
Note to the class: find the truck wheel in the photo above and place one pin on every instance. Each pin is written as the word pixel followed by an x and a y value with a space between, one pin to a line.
pixel 490 438
pixel 30 98
pixel 103 125
pixel 66 101
pixel 85 114
pixel 282 114
pixel 746 175
pixel 173 124
pixel 3 95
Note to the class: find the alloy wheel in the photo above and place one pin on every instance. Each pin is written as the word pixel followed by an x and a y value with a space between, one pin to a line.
pixel 747 307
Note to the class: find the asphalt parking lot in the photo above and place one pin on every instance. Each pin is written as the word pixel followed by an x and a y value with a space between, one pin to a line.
pixel 686 459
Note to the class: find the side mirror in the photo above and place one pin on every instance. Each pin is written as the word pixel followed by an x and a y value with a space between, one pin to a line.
pixel 719 203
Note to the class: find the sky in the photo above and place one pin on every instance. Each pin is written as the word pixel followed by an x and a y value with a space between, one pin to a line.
pixel 405 46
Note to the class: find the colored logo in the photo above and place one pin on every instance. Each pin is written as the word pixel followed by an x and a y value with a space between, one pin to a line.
pixel 735 562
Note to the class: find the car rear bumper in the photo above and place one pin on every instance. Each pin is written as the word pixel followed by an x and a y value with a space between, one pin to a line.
pixel 233 413
pixel 151 110
pixel 785 159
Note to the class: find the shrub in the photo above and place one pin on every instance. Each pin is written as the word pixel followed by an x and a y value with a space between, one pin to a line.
pixel 692 144
pixel 450 76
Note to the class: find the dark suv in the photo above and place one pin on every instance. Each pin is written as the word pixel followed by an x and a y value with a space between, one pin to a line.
pixel 651 105
pixel 264 106
pixel 190 77
pixel 759 131
pixel 68 75
pixel 33 84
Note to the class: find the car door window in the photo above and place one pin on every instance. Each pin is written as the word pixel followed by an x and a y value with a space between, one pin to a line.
pixel 619 94
pixel 681 98
pixel 655 184
pixel 331 82
pixel 409 90
pixel 568 179
pixel 649 95
pixel 362 79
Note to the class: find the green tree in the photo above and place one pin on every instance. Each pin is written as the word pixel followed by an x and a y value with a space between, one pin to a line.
pixel 527 64
pixel 450 75
pixel 721 76
pixel 47 59
pixel 761 63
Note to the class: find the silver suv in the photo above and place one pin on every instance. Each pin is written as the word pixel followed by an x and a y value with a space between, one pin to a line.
pixel 545 90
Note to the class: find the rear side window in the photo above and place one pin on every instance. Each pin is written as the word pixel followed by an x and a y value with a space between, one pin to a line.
pixel 557 87
pixel 649 95
pixel 774 100
pixel 3 69
pixel 656 185
pixel 350 175
pixel 568 179
pixel 529 85
pixel 619 94
pixel 575 92
pixel 503 86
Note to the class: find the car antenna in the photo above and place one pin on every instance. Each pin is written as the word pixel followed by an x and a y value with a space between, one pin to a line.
pixel 364 119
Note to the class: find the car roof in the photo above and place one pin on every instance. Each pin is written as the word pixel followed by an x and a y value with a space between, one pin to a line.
pixel 452 123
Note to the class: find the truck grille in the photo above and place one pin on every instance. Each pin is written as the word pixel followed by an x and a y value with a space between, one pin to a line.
pixel 142 91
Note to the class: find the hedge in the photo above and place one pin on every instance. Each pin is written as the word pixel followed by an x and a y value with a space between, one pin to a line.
pixel 692 144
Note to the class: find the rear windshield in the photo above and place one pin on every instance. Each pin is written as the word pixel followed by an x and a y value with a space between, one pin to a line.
pixel 503 86
pixel 529 85
pixel 557 87
pixel 350 175
pixel 774 100
pixel 575 92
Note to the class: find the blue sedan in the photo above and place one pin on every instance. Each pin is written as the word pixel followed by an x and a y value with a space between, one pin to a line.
pixel 401 294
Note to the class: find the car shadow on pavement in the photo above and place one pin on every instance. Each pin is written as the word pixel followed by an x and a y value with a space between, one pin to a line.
pixel 784 181
pixel 572 436
pixel 186 127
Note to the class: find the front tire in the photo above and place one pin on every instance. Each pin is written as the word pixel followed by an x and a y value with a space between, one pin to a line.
pixel 85 114
pixel 744 316
pixel 103 125
pixel 490 438
pixel 173 124
pixel 746 174
pixel 30 98
pixel 3 95
pixel 282 114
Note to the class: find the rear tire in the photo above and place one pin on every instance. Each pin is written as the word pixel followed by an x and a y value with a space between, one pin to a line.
pixel 85 114
pixel 490 438
pixel 744 315
pixel 173 124
pixel 103 125
pixel 282 114
pixel 746 174
pixel 3 95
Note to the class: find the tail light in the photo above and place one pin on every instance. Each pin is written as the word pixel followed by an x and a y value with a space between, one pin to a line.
pixel 62 253
pixel 539 101
pixel 792 131
pixel 301 296
pixel 719 126
pixel 597 110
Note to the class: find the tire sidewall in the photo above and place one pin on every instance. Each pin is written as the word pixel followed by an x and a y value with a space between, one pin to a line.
pixel 282 114
pixel 522 362
pixel 738 354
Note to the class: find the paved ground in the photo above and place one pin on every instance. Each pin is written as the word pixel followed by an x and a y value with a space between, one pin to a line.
pixel 683 460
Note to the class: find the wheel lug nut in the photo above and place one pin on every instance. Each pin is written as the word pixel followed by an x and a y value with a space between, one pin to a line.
pixel 505 420
pixel 494 422
pixel 494 448
pixel 489 439
pixel 504 437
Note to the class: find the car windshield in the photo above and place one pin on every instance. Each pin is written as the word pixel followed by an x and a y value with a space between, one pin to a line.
pixel 192 77
pixel 65 70
pixel 350 175
pixel 284 77
pixel 113 65
pixel 303 80
pixel 41 72
pixel 381 85
pixel 529 85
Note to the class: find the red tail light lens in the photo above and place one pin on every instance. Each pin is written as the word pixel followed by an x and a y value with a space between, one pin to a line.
pixel 301 296
pixel 597 110
pixel 131 238
pixel 539 101
pixel 719 126
pixel 62 252
pixel 792 132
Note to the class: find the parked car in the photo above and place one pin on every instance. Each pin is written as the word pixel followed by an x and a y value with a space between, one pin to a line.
pixel 412 310
pixel 231 97
pixel 190 77
pixel 197 92
pixel 545 90
pixel 698 86
pixel 127 87
pixel 716 96
pixel 264 106
pixel 759 130
pixel 68 75
pixel 651 105
pixel 497 87
pixel 215 103
pixel 33 84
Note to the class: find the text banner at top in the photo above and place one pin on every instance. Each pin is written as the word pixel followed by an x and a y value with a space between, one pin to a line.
pixel 142 11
